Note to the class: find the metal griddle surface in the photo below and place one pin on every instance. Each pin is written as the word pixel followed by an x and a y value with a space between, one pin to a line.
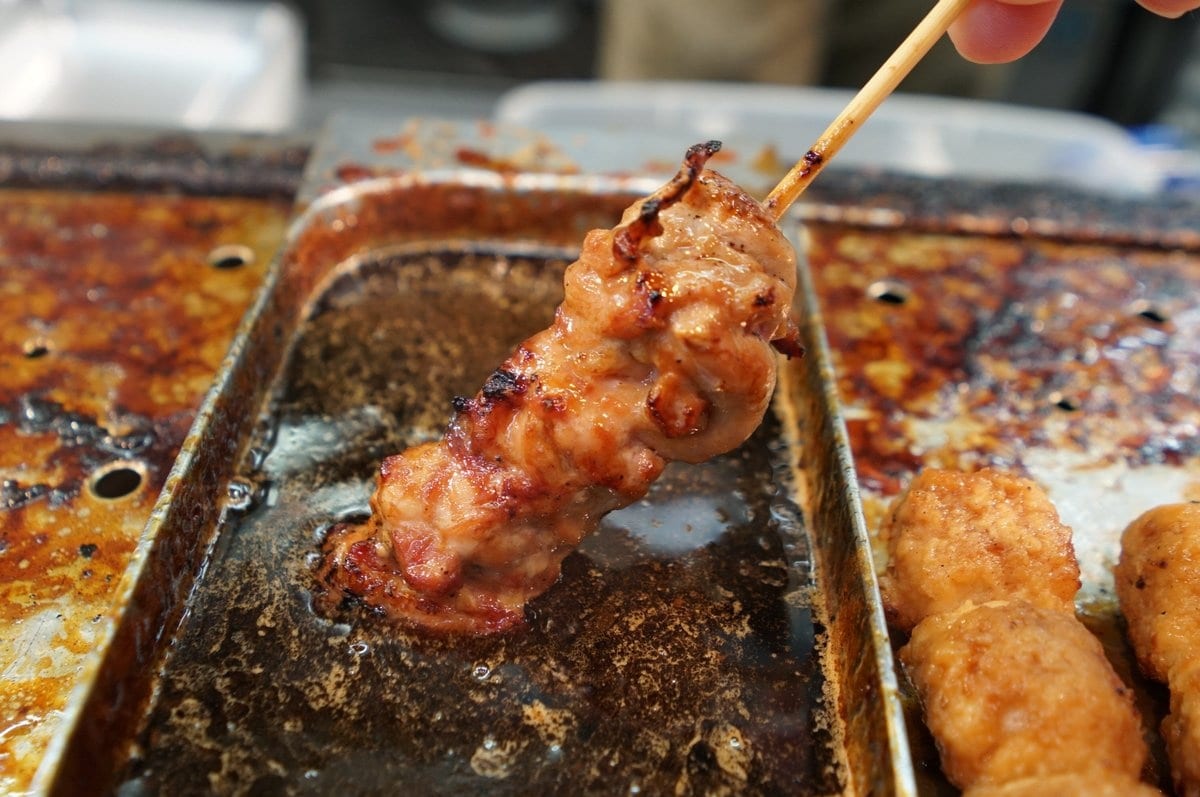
pixel 113 322
pixel 1074 362
pixel 680 652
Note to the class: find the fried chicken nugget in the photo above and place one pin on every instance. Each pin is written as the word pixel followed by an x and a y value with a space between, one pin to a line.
pixel 1096 783
pixel 1181 729
pixel 1158 586
pixel 954 537
pixel 1012 691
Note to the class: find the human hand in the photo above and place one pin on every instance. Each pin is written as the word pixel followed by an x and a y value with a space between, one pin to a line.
pixel 995 31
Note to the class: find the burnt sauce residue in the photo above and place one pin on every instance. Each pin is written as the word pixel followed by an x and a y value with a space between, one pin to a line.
pixel 678 653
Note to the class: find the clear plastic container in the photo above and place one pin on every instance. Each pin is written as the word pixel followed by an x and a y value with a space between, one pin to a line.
pixel 617 126
pixel 168 63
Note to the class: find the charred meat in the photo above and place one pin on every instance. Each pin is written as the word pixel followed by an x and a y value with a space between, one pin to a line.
pixel 661 350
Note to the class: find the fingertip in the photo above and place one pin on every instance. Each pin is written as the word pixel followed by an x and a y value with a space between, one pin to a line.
pixel 993 31
pixel 1169 8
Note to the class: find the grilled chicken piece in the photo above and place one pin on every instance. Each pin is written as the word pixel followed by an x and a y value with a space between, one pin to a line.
pixel 1158 586
pixel 661 350
pixel 954 537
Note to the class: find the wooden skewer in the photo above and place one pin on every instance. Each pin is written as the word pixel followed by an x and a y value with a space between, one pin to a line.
pixel 869 97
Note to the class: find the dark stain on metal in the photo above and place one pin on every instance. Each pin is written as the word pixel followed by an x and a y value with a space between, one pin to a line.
pixel 1009 348
pixel 14 495
pixel 113 328
pixel 986 328
pixel 1014 210
pixel 681 651
pixel 36 415
pixel 242 166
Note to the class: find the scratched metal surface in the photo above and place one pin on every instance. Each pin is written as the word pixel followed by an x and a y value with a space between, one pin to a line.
pixel 118 307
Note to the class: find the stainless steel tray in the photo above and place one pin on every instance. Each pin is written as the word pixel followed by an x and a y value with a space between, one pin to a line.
pixel 129 258
pixel 724 636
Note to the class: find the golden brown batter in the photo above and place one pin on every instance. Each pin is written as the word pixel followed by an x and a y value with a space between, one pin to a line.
pixel 1158 585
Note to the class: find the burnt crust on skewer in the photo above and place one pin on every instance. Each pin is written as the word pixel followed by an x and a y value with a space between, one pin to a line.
pixel 661 350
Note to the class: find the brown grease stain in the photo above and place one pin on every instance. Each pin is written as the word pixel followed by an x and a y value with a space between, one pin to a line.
pixel 114 325
pixel 1014 344
pixel 679 652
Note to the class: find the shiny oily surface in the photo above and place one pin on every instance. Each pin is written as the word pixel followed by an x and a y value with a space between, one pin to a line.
pixel 117 309
pixel 680 653
pixel 1074 363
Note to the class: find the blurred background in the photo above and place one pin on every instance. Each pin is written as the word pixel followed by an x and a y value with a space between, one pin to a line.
pixel 287 66
pixel 1102 56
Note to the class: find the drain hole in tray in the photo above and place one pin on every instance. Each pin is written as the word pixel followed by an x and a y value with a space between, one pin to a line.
pixel 35 348
pixel 1149 311
pixel 1064 402
pixel 889 292
pixel 230 257
pixel 116 481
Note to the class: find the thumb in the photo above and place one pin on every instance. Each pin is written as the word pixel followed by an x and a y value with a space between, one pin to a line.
pixel 1170 8
pixel 996 31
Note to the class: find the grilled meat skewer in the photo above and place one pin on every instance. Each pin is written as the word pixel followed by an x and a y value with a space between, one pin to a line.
pixel 661 350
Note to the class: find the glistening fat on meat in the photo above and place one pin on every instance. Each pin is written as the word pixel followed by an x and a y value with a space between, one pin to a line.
pixel 661 350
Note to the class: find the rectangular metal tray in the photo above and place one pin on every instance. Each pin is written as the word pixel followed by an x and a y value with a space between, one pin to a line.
pixel 723 636
pixel 129 258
